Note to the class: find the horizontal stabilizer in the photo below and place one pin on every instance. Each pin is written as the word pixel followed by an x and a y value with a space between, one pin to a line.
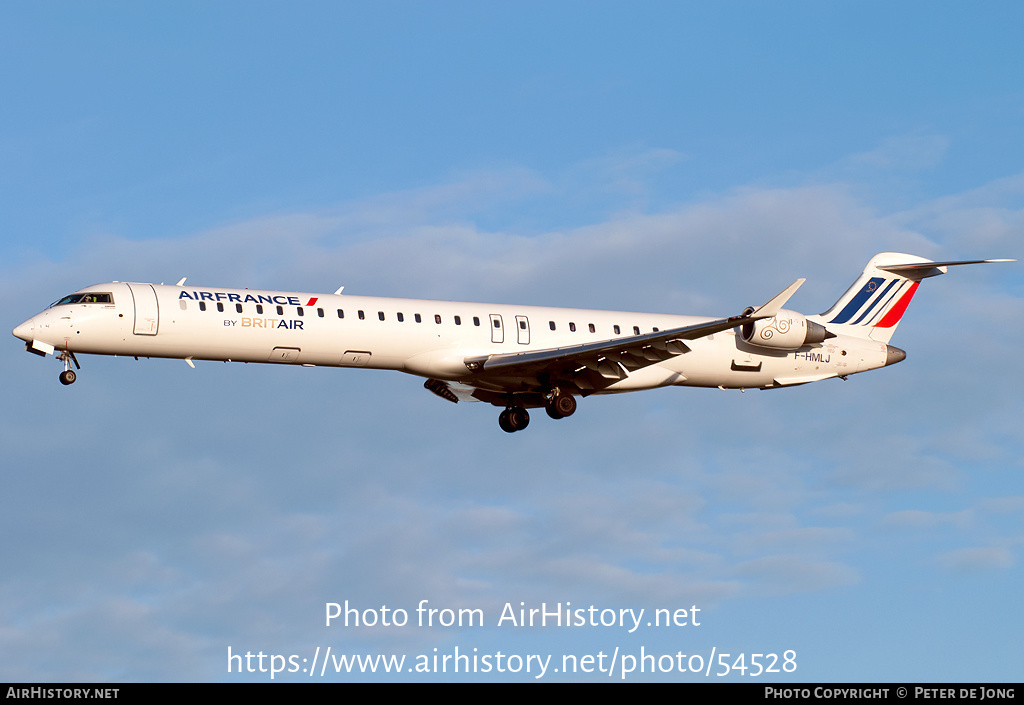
pixel 917 271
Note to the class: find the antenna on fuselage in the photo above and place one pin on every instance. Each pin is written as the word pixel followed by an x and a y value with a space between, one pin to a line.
pixel 181 281
pixel 335 293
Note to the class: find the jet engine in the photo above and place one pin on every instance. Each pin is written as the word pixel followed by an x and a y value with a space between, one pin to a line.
pixel 788 330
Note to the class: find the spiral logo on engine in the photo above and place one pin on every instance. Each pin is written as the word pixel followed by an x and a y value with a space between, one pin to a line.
pixel 777 324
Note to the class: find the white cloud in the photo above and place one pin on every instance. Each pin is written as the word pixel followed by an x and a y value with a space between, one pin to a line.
pixel 911 152
pixel 918 519
pixel 789 574
pixel 976 559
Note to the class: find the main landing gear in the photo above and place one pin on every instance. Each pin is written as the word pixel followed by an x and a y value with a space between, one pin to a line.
pixel 560 405
pixel 68 376
pixel 516 418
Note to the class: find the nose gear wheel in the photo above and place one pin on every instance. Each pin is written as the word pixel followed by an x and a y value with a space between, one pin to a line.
pixel 68 376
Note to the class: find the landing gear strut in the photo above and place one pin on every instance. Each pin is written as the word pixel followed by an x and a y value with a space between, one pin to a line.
pixel 68 376
pixel 514 418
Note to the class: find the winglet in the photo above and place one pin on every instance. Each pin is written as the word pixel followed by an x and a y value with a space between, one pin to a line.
pixel 771 308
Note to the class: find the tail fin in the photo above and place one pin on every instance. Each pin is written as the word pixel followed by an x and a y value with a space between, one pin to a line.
pixel 876 302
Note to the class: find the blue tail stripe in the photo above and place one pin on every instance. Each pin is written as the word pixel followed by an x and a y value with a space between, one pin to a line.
pixel 878 298
pixel 851 308
pixel 885 306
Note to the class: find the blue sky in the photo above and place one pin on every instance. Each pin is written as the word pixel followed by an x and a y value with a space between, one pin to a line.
pixel 677 157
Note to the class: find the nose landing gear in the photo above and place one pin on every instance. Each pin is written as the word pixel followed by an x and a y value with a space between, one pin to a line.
pixel 68 376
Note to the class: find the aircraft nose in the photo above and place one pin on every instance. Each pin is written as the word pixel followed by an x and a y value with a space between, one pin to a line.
pixel 24 331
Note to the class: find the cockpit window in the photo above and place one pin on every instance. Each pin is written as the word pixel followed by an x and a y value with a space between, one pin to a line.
pixel 86 298
pixel 98 299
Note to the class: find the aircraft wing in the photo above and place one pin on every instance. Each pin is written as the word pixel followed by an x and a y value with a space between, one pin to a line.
pixel 594 366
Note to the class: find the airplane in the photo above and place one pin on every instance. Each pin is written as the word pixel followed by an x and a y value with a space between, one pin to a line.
pixel 513 357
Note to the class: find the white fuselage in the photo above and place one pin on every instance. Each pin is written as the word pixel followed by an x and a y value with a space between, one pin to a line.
pixel 431 339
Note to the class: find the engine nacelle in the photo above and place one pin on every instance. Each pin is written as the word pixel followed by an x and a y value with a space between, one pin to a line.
pixel 788 330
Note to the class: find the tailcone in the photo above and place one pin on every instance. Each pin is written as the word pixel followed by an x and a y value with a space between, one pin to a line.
pixel 893 355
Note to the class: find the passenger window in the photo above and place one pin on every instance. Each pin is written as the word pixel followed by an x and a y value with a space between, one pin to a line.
pixel 202 305
pixel 572 327
pixel 458 321
pixel 401 317
pixel 592 329
pixel 551 325
pixel 341 313
pixel 418 317
pixel 299 309
pixel 182 305
pixel 259 308
pixel 476 320
pixel 320 312
pixel 238 308
pixel 616 329
pixel 636 330
pixel 437 318
pixel 280 310
pixel 362 316
pixel 220 307
pixel 380 315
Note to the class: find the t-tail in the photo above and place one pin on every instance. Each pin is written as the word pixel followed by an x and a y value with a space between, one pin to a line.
pixel 875 304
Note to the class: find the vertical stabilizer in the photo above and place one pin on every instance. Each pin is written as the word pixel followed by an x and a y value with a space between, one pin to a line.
pixel 875 304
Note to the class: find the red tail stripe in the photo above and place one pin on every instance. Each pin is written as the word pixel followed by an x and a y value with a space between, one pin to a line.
pixel 896 312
